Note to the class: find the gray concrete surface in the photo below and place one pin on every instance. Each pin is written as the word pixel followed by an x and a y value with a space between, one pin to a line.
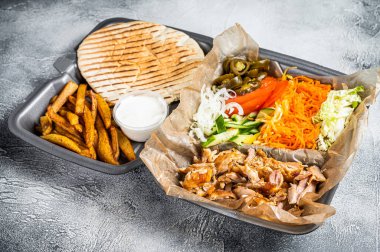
pixel 48 204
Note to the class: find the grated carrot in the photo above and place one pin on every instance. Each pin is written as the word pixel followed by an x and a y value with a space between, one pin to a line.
pixel 291 125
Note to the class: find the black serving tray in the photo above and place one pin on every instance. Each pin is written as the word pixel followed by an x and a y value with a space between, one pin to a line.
pixel 21 122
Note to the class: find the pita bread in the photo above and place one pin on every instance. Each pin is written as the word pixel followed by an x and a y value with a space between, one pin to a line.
pixel 138 55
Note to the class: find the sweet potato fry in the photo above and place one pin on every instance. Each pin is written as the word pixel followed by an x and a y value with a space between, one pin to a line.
pixel 81 97
pixel 86 153
pixel 114 142
pixel 96 138
pixel 125 145
pixel 70 107
pixel 94 105
pixel 63 141
pixel 72 100
pixel 59 120
pixel 92 152
pixel 61 131
pixel 68 90
pixel 52 100
pixel 46 125
pixel 104 111
pixel 62 112
pixel 89 127
pixel 73 118
pixel 79 127
pixel 104 149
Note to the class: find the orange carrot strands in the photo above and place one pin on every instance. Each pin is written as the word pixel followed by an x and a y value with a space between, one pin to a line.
pixel 291 126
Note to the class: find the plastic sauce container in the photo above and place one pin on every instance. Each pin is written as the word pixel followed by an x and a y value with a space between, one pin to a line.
pixel 139 113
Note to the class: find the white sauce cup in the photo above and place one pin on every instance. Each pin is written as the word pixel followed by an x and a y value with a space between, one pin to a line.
pixel 139 133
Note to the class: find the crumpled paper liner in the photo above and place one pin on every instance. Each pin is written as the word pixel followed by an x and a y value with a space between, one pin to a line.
pixel 170 147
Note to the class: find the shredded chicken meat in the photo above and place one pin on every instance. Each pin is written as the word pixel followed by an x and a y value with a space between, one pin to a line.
pixel 254 178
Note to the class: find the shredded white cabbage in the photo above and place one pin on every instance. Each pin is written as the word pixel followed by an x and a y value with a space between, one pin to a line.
pixel 211 107
pixel 334 113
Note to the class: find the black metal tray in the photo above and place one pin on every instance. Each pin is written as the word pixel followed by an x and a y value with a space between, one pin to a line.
pixel 21 121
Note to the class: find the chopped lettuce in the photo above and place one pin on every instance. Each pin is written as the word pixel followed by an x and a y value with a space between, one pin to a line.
pixel 334 113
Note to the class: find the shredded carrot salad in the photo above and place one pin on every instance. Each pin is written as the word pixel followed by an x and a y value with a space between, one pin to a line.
pixel 291 125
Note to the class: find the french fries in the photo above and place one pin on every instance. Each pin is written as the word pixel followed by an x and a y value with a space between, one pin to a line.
pixel 81 121
pixel 96 138
pixel 63 141
pixel 53 99
pixel 94 105
pixel 61 131
pixel 104 149
pixel 81 97
pixel 92 152
pixel 114 143
pixel 67 91
pixel 70 107
pixel 73 118
pixel 62 112
pixel 125 145
pixel 46 125
pixel 89 127
pixel 104 111
pixel 59 120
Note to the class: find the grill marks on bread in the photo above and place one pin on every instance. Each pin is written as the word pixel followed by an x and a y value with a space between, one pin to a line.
pixel 138 56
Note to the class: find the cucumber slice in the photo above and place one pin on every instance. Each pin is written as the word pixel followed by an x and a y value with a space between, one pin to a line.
pixel 253 124
pixel 237 118
pixel 237 126
pixel 248 131
pixel 219 122
pixel 220 138
pixel 244 139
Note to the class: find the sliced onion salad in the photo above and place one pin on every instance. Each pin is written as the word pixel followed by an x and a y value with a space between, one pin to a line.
pixel 211 107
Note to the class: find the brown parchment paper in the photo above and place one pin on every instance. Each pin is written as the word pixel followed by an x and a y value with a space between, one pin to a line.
pixel 170 147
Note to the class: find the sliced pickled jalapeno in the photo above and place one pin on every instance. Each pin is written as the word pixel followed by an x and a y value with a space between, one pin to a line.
pixel 248 88
pixel 253 73
pixel 261 64
pixel 222 78
pixel 237 81
pixel 242 76
pixel 233 83
pixel 249 80
pixel 238 66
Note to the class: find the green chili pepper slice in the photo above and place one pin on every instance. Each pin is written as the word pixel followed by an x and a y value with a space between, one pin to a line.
pixel 261 64
pixel 239 66
pixel 253 73
pixel 222 78
pixel 248 88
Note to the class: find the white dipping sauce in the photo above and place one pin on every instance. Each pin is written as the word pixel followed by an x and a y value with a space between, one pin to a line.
pixel 140 113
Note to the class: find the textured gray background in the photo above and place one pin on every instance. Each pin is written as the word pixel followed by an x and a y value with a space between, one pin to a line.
pixel 47 203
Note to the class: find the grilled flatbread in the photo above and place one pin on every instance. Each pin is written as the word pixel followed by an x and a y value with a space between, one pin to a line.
pixel 138 55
